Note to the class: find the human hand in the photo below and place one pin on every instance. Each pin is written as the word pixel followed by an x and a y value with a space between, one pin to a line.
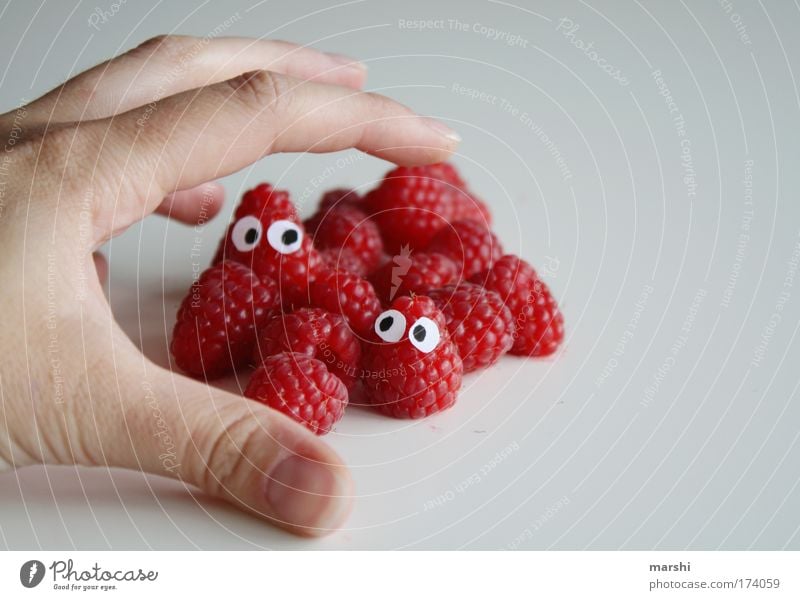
pixel 143 133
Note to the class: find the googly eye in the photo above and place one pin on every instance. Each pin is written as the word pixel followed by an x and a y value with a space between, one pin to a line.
pixel 285 236
pixel 390 326
pixel 246 233
pixel 424 335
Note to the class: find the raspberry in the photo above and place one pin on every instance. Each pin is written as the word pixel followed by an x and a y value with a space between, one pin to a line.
pixel 344 259
pixel 476 210
pixel 413 203
pixel 217 322
pixel 412 368
pixel 481 326
pixel 339 198
pixel 262 199
pixel 346 294
pixel 468 243
pixel 469 206
pixel 267 236
pixel 413 274
pixel 315 333
pixel 345 227
pixel 302 388
pixel 539 325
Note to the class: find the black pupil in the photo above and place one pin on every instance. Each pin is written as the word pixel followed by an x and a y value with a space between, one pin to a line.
pixel 385 323
pixel 251 236
pixel 289 237
pixel 419 333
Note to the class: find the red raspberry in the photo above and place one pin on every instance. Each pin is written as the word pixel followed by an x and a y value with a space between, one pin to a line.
pixel 468 243
pixel 315 333
pixel 346 294
pixel 217 322
pixel 413 274
pixel 413 203
pixel 448 173
pixel 267 236
pixel 539 325
pixel 412 368
pixel 476 210
pixel 339 198
pixel 479 323
pixel 262 199
pixel 345 227
pixel 469 206
pixel 302 388
pixel 344 259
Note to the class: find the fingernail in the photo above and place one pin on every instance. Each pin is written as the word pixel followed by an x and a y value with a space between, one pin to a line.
pixel 442 129
pixel 347 61
pixel 305 493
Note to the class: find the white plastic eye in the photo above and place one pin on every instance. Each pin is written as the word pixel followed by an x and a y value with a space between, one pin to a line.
pixel 424 335
pixel 390 325
pixel 246 233
pixel 285 236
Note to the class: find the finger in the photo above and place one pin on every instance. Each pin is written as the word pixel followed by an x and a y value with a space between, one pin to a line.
pixel 101 266
pixel 170 64
pixel 234 449
pixel 187 139
pixel 193 206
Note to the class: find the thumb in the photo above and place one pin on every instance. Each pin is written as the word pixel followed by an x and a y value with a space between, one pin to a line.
pixel 241 451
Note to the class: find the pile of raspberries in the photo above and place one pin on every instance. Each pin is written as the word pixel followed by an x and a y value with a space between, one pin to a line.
pixel 385 300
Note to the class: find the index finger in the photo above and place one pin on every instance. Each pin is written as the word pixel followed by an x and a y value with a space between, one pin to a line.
pixel 205 134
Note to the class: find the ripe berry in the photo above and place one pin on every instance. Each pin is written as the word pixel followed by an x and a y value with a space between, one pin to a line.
pixel 479 323
pixel 469 206
pixel 217 322
pixel 339 198
pixel 470 244
pixel 302 388
pixel 262 199
pixel 414 273
pixel 345 227
pixel 475 210
pixel 343 293
pixel 267 236
pixel 411 368
pixel 343 259
pixel 315 333
pixel 539 325
pixel 413 203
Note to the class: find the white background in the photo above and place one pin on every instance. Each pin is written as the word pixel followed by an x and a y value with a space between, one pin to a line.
pixel 588 457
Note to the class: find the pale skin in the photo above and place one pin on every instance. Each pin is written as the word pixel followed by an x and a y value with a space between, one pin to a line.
pixel 150 131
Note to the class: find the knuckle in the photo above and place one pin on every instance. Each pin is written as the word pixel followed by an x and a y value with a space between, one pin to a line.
pixel 226 457
pixel 260 90
pixel 148 47
pixel 161 45
pixel 177 51
pixel 155 41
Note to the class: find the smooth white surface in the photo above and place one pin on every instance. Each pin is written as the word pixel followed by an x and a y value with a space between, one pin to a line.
pixel 670 418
